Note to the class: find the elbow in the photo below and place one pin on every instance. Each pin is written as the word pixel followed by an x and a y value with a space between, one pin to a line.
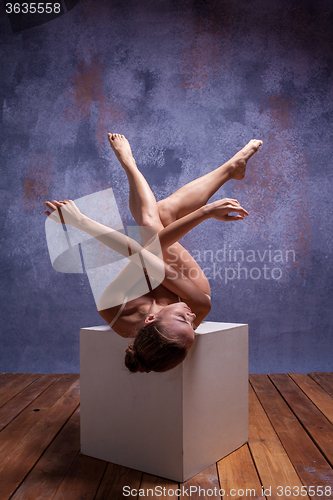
pixel 206 307
pixel 208 303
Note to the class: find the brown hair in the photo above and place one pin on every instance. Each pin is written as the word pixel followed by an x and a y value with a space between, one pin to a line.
pixel 153 351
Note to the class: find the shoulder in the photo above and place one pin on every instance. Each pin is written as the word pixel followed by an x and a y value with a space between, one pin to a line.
pixel 109 314
pixel 123 326
pixel 128 326
pixel 128 318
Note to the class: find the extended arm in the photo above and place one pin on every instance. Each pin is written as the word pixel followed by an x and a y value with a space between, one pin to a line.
pixel 149 257
pixel 68 213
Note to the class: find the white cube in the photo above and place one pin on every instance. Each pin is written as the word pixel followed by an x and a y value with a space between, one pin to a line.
pixel 172 424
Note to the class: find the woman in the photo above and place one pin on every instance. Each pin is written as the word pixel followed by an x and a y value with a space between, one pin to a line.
pixel 162 318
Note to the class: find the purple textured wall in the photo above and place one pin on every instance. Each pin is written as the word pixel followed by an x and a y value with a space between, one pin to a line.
pixel 189 83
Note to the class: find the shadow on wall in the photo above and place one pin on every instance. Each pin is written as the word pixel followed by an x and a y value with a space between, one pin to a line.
pixel 23 16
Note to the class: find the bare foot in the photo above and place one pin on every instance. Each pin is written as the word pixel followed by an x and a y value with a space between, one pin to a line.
pixel 238 162
pixel 121 147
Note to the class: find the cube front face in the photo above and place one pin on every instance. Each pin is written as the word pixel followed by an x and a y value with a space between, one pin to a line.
pixel 131 419
pixel 171 424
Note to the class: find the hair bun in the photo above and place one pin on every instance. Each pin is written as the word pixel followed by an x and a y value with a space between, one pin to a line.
pixel 132 361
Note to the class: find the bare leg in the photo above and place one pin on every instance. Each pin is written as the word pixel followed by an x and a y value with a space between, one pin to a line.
pixel 142 201
pixel 196 193
pixel 144 209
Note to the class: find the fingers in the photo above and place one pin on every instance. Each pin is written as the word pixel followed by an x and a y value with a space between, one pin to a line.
pixel 239 216
pixel 228 209
pixel 58 203
pixel 240 209
pixel 234 217
pixel 243 211
pixel 237 208
pixel 50 205
pixel 54 205
pixel 234 204
pixel 231 200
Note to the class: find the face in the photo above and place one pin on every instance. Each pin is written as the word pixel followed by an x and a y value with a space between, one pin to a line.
pixel 177 319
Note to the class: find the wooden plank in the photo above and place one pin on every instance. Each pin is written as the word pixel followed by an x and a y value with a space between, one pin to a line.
pixel 114 480
pixel 23 456
pixel 237 472
pixel 14 432
pixel 319 397
pixel 203 486
pixel 273 464
pixel 82 479
pixel 58 389
pixel 18 403
pixel 45 478
pixel 316 424
pixel 6 377
pixel 11 386
pixel 325 380
pixel 311 466
pixel 152 484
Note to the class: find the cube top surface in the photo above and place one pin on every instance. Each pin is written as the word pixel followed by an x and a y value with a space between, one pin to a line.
pixel 205 327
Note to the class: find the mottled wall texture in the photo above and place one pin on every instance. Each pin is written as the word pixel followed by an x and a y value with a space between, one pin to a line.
pixel 189 83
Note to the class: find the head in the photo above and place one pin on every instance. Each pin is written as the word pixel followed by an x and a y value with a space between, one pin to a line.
pixel 164 340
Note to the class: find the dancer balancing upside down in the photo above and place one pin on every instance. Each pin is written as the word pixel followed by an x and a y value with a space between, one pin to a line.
pixel 162 320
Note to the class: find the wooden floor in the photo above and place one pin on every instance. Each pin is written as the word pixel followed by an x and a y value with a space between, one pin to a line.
pixel 289 454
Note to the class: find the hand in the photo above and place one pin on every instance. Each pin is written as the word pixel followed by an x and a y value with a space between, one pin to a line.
pixel 65 212
pixel 221 209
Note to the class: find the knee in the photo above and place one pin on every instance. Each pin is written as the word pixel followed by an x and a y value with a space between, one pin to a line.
pixel 165 214
pixel 152 221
